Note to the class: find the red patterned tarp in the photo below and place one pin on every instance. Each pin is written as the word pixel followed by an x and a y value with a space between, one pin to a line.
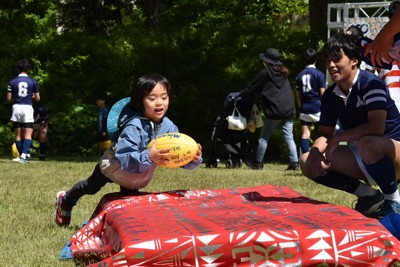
pixel 257 226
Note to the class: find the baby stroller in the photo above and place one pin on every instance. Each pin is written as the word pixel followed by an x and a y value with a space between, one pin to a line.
pixel 230 146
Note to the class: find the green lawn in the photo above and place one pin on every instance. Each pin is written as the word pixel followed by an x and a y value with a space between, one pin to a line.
pixel 29 236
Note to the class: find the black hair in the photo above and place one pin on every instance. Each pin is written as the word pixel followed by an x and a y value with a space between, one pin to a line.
pixel 343 42
pixel 101 97
pixel 393 7
pixel 310 56
pixel 355 30
pixel 144 86
pixel 23 65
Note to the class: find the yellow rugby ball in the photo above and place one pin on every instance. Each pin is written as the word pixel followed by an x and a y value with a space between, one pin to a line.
pixel 14 151
pixel 181 147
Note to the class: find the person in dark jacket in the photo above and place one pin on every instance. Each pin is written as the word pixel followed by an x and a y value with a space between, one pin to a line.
pixel 272 87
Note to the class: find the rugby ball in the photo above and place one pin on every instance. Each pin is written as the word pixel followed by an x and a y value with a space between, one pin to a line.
pixel 14 151
pixel 181 147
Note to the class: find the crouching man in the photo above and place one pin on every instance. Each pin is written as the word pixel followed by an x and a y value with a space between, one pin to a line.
pixel 362 154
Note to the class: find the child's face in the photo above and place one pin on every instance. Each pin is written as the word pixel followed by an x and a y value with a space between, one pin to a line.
pixel 100 103
pixel 156 103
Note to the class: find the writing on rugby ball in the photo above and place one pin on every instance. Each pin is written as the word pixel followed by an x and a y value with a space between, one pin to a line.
pixel 181 147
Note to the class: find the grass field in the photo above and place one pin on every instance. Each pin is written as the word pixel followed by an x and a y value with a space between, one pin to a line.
pixel 29 236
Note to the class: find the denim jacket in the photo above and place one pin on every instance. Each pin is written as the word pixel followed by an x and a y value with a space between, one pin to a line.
pixel 128 163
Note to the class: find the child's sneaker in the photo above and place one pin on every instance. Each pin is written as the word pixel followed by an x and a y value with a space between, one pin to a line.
pixel 22 160
pixel 62 216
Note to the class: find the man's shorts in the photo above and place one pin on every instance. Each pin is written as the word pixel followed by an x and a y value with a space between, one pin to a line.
pixel 40 126
pixel 307 119
pixel 22 113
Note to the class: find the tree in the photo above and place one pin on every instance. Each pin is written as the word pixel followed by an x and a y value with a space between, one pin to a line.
pixel 96 17
pixel 317 13
pixel 205 48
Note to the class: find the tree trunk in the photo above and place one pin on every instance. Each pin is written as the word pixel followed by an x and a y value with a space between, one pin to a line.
pixel 318 10
pixel 154 13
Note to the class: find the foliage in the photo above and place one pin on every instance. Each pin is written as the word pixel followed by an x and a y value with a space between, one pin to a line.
pixel 79 49
pixel 94 17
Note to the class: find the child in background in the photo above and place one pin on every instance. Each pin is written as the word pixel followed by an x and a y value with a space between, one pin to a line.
pixel 310 87
pixel 21 91
pixel 102 115
pixel 40 130
pixel 129 162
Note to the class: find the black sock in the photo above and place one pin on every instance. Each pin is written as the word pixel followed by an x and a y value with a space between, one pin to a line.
pixel 384 174
pixel 339 181
pixel 43 148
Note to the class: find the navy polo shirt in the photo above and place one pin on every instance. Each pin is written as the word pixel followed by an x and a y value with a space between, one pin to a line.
pixel 368 93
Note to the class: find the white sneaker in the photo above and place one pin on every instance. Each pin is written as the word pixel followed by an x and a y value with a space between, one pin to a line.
pixel 16 159
pixel 22 160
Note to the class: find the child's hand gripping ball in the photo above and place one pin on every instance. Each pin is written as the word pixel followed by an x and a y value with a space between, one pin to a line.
pixel 176 149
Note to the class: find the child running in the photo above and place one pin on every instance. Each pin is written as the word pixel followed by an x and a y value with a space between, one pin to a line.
pixel 129 163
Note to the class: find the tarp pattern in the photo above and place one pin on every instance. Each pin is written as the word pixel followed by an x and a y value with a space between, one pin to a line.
pixel 257 226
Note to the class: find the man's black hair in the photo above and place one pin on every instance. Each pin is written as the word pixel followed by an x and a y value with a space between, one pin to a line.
pixel 343 42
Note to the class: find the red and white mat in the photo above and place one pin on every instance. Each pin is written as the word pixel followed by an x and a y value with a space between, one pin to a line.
pixel 256 226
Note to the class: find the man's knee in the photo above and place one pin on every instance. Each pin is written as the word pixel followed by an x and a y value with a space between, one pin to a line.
pixel 370 149
pixel 42 136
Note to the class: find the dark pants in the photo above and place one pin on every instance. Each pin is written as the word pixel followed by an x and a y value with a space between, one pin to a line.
pixel 90 186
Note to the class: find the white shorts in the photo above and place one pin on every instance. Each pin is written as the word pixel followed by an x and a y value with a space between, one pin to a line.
pixel 22 113
pixel 310 117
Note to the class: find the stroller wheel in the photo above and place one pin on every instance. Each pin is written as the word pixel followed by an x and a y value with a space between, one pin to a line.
pixel 229 164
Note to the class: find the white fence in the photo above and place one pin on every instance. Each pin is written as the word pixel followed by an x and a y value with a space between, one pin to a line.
pixel 370 17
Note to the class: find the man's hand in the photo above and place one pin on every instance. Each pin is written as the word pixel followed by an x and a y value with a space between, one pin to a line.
pixel 333 143
pixel 315 163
